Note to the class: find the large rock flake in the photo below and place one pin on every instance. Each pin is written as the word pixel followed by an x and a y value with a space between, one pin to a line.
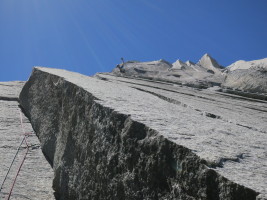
pixel 112 137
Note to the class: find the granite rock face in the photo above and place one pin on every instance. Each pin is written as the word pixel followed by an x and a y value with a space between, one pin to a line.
pixel 110 137
pixel 248 76
pixel 35 178
pixel 206 73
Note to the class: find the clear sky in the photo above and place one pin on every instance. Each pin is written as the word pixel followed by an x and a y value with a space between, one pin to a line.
pixel 90 36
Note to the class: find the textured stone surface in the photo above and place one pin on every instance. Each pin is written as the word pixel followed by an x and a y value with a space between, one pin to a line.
pixel 120 138
pixel 206 73
pixel 251 80
pixel 35 179
pixel 246 78
pixel 232 136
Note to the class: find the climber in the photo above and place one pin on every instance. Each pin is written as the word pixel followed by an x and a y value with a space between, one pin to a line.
pixel 122 61
pixel 120 66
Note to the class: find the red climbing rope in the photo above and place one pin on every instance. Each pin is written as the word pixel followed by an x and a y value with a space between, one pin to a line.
pixel 11 164
pixel 15 179
pixel 27 149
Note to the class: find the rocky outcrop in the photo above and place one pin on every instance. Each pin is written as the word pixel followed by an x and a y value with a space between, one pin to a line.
pixel 144 69
pixel 244 78
pixel 179 65
pixel 209 63
pixel 206 73
pixel 248 76
pixel 35 178
pixel 111 137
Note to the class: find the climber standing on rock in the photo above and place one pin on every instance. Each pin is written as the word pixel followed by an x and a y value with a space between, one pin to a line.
pixel 122 62
pixel 121 66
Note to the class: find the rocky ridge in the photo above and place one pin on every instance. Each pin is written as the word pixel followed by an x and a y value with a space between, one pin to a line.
pixel 205 73
pixel 241 77
pixel 247 76
pixel 134 136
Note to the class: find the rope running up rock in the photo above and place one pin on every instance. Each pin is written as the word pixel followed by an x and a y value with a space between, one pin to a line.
pixel 22 162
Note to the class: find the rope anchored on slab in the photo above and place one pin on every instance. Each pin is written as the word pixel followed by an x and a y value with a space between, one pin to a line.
pixel 24 140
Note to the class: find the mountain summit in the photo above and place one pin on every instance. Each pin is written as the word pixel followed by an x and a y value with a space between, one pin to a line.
pixel 208 62
pixel 179 65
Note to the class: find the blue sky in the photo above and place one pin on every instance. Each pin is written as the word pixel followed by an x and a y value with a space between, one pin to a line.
pixel 90 36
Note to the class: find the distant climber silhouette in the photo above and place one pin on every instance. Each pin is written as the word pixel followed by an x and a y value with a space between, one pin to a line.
pixel 121 66
pixel 122 61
